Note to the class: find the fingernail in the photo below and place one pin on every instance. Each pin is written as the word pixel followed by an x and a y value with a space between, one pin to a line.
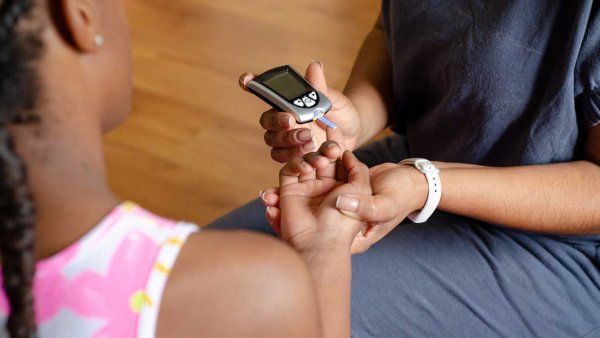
pixel 246 79
pixel 320 64
pixel 309 146
pixel 262 196
pixel 307 167
pixel 268 215
pixel 346 203
pixel 331 145
pixel 304 135
pixel 284 121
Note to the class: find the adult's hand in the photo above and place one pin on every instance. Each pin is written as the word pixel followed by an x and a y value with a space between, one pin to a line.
pixel 288 139
pixel 398 190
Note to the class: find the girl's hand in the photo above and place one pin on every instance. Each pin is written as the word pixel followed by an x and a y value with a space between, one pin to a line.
pixel 322 161
pixel 398 190
pixel 289 139
pixel 308 192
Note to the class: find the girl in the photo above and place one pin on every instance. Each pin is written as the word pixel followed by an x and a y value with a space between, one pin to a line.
pixel 77 262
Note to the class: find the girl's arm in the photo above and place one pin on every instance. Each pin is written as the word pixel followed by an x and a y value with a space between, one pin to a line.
pixel 319 232
pixel 331 270
pixel 238 284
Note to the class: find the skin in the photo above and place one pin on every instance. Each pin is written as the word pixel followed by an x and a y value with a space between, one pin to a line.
pixel 289 139
pixel 322 234
pixel 356 111
pixel 214 290
pixel 554 198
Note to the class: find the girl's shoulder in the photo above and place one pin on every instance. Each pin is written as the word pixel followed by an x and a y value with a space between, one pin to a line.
pixel 110 282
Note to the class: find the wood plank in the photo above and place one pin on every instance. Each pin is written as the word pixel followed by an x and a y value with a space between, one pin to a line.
pixel 192 148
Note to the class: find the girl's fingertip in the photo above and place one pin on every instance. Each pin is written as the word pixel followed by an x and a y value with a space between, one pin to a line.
pixel 309 146
pixel 270 213
pixel 312 158
pixel 263 198
pixel 276 229
pixel 322 161
pixel 268 216
pixel 348 154
pixel 305 165
pixel 268 197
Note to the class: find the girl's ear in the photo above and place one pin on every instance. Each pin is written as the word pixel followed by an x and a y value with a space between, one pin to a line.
pixel 82 24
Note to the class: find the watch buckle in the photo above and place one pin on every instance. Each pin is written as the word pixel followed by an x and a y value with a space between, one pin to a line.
pixel 421 164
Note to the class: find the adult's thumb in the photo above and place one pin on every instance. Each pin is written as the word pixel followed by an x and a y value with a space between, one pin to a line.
pixel 316 76
pixel 367 208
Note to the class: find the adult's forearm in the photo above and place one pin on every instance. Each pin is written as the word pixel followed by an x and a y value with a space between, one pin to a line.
pixel 331 272
pixel 370 84
pixel 556 198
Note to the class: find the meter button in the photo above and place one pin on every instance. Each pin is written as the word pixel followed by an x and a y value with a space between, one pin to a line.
pixel 299 103
pixel 308 102
pixel 313 95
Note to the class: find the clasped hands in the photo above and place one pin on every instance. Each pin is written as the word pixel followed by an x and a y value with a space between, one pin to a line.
pixel 329 199
pixel 325 193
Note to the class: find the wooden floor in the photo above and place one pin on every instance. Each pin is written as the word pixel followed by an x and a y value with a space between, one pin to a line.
pixel 193 148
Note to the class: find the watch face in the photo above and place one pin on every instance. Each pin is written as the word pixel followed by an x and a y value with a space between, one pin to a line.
pixel 287 84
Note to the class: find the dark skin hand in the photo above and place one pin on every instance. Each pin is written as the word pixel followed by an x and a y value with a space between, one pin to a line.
pixel 555 198
pixel 289 139
pixel 527 200
pixel 309 188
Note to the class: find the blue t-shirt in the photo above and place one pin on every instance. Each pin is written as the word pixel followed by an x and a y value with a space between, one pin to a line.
pixel 504 82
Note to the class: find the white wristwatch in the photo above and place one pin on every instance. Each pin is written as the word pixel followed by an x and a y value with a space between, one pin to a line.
pixel 435 188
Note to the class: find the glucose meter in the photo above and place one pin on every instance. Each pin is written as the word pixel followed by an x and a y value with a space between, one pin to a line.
pixel 286 90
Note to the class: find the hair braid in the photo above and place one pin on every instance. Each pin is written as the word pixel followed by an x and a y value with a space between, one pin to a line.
pixel 16 239
pixel 18 90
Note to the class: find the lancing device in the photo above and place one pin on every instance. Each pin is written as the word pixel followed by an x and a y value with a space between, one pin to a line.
pixel 286 90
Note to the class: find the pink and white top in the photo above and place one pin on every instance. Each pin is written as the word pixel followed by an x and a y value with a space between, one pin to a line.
pixel 110 282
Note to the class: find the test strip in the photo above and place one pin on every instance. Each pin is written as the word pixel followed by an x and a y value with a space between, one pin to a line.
pixel 327 122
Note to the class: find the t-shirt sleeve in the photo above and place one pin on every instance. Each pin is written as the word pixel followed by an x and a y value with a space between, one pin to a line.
pixel 587 72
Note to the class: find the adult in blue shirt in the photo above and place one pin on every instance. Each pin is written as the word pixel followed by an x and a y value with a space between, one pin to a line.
pixel 503 96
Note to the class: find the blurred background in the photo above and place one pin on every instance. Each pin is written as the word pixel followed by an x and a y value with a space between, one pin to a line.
pixel 193 148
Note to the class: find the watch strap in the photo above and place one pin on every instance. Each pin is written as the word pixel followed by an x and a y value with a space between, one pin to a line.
pixel 434 194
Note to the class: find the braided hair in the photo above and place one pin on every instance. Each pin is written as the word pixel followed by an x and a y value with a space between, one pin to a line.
pixel 19 47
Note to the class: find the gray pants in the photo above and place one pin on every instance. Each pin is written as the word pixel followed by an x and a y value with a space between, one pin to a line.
pixel 456 277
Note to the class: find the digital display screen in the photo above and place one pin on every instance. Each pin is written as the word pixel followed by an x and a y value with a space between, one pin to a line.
pixel 287 85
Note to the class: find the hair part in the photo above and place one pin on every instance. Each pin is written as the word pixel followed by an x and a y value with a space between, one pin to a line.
pixel 19 47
